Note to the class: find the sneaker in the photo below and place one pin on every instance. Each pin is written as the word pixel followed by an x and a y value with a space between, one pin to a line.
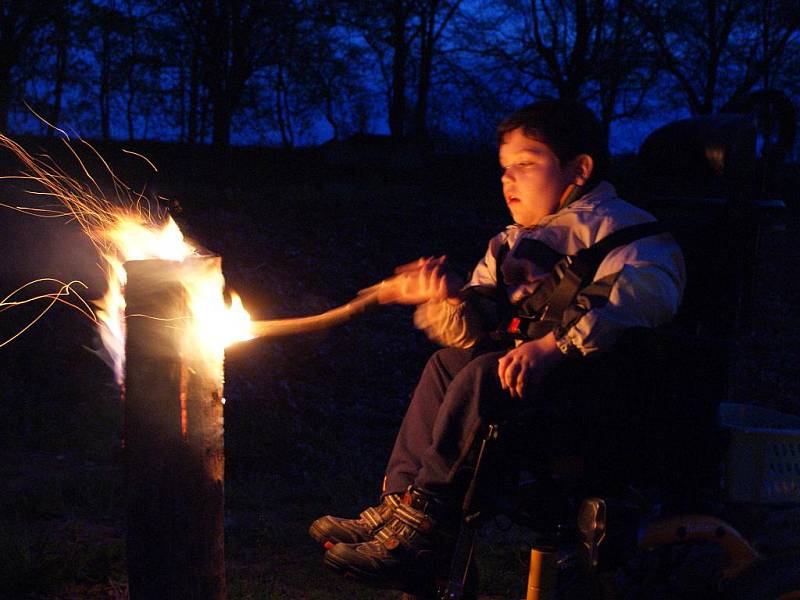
pixel 407 552
pixel 329 530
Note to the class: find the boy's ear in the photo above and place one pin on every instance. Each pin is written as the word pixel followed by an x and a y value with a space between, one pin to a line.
pixel 583 165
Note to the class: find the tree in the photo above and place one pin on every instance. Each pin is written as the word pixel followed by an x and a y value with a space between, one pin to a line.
pixel 19 22
pixel 386 27
pixel 717 50
pixel 104 28
pixel 433 17
pixel 61 40
pixel 328 68
pixel 404 36
pixel 228 39
pixel 583 50
pixel 769 28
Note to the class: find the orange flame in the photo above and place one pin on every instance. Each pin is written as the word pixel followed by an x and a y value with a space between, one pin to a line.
pixel 215 325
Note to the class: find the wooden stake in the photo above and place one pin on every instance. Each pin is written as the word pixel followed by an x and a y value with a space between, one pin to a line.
pixel 173 442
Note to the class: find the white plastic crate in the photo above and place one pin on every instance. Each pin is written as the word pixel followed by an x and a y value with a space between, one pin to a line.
pixel 763 461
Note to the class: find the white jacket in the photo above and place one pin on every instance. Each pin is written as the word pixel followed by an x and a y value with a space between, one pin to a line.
pixel 639 284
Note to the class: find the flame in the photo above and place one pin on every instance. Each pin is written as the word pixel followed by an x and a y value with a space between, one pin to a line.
pixel 134 239
pixel 124 228
pixel 215 325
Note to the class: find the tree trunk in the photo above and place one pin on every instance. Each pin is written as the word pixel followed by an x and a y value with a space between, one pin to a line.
pixel 62 60
pixel 221 120
pixel 10 45
pixel 329 114
pixel 202 131
pixel 133 52
pixel 397 103
pixel 105 86
pixel 194 93
pixel 129 115
pixel 5 95
pixel 283 116
pixel 182 102
pixel 425 69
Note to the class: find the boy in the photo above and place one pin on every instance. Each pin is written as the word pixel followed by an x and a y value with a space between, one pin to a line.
pixel 553 156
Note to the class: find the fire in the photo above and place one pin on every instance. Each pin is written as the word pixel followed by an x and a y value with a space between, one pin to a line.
pixel 214 325
pixel 124 229
pixel 135 239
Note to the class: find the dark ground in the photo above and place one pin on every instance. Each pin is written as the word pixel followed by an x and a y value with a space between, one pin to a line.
pixel 309 420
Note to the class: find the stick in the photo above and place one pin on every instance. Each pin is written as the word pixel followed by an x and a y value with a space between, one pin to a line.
pixel 335 316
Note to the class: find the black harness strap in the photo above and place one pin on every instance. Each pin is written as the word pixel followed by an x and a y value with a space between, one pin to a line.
pixel 582 266
pixel 503 303
pixel 544 310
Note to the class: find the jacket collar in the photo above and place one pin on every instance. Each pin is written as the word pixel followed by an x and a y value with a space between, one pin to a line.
pixel 602 192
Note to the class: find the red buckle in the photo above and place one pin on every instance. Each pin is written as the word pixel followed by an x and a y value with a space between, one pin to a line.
pixel 513 325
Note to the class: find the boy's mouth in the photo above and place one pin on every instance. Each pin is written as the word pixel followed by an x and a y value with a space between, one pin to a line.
pixel 512 199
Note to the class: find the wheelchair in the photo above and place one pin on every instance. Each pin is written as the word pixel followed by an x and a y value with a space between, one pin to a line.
pixel 613 512
pixel 639 480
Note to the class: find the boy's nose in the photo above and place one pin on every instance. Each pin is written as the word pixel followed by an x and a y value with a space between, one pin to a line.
pixel 507 175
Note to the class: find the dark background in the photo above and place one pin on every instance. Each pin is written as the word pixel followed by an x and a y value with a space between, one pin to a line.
pixel 229 100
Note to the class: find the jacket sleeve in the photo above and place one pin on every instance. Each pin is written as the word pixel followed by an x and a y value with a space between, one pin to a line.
pixel 459 325
pixel 638 285
pixel 463 325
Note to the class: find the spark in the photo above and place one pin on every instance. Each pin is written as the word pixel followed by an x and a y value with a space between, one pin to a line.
pixel 45 121
pixel 64 290
pixel 99 217
pixel 45 213
pixel 87 204
pixel 76 203
pixel 142 156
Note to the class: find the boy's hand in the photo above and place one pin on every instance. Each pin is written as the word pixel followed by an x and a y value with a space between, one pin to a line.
pixel 522 369
pixel 420 281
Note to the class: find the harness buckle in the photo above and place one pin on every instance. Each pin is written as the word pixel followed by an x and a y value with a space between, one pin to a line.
pixel 517 327
pixel 513 325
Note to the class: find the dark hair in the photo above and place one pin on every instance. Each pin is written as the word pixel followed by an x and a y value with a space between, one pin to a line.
pixel 567 127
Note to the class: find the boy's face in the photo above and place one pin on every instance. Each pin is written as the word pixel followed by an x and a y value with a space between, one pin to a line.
pixel 533 178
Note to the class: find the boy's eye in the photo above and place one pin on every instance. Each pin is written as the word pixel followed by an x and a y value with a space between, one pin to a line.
pixel 523 164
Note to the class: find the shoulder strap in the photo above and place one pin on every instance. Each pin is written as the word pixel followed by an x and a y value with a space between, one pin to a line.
pixel 500 290
pixel 581 267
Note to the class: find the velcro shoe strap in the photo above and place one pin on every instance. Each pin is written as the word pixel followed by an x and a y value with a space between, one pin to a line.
pixel 373 517
pixel 398 536
pixel 393 536
pixel 414 518
pixel 385 533
pixel 392 501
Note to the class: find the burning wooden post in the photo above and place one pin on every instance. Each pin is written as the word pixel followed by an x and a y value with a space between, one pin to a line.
pixel 173 437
